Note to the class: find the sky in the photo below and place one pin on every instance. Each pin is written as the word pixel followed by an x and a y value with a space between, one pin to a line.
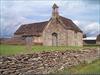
pixel 14 13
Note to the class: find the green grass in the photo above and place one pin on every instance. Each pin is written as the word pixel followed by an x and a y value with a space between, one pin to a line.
pixel 17 49
pixel 92 68
pixel 53 48
pixel 11 49
pixel 92 45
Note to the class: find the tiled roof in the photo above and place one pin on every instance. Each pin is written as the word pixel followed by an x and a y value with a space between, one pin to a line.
pixel 37 28
pixel 31 29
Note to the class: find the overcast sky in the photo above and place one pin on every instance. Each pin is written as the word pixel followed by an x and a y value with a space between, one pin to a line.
pixel 84 13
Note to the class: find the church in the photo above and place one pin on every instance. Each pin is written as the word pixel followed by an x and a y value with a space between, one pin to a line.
pixel 57 31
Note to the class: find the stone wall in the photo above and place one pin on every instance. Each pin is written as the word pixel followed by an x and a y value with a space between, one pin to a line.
pixel 54 27
pixel 79 39
pixel 65 37
pixel 46 62
pixel 71 37
pixel 13 41
pixel 37 40
pixel 74 38
pixel 22 40
pixel 97 42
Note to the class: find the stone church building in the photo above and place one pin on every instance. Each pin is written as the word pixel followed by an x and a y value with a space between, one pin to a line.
pixel 58 31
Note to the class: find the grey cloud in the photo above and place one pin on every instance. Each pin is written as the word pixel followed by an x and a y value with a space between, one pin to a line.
pixel 14 13
pixel 92 1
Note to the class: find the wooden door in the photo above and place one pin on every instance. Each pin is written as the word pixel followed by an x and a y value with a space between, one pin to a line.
pixel 54 39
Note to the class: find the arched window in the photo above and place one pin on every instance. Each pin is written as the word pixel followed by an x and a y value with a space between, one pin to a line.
pixel 54 39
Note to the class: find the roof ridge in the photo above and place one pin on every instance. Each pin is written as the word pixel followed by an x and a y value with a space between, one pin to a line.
pixel 37 22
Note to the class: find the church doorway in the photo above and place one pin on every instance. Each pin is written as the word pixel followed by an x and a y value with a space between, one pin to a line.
pixel 54 39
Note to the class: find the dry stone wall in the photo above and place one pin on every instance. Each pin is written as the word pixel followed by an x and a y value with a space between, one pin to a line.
pixel 45 62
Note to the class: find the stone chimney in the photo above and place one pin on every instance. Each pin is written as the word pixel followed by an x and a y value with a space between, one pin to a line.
pixel 55 12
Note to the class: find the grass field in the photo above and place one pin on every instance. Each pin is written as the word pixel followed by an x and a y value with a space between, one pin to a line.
pixel 92 68
pixel 11 49
pixel 17 49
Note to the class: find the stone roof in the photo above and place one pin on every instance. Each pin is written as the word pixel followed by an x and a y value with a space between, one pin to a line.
pixel 37 28
pixel 98 38
pixel 31 29
pixel 69 24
